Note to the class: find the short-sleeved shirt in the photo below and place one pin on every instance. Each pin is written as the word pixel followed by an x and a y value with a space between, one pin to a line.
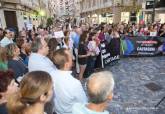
pixel 82 109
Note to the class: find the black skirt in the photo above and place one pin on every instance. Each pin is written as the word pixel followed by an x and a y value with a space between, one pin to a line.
pixel 82 61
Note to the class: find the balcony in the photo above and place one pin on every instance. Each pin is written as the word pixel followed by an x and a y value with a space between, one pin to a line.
pixel 97 6
pixel 27 3
pixel 32 4
pixel 11 1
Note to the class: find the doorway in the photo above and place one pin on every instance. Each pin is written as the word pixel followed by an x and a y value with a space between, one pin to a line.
pixel 11 19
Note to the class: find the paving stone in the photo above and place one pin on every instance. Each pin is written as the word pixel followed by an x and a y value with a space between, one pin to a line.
pixel 130 94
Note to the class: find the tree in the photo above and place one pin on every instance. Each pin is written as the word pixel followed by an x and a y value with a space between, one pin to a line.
pixel 49 22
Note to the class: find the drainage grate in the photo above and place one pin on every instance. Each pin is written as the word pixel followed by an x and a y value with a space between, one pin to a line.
pixel 153 87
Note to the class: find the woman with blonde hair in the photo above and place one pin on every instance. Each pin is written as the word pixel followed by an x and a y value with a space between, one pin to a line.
pixel 35 91
pixel 15 62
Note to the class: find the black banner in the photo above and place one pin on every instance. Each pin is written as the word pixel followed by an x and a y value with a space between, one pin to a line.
pixel 142 46
pixel 109 51
pixel 129 46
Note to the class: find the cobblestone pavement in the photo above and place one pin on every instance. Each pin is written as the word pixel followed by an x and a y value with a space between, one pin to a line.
pixel 131 96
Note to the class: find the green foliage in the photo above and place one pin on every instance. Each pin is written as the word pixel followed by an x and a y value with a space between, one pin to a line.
pixel 49 22
pixel 40 26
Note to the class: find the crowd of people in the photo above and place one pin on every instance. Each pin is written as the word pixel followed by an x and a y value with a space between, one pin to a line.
pixel 41 70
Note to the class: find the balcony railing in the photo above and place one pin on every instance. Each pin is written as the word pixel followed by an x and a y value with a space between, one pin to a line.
pixel 11 1
pixel 31 4
pixel 97 6
pixel 26 3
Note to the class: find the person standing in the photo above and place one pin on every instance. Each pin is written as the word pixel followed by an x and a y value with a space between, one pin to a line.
pixel 68 90
pixel 7 39
pixel 15 62
pixel 101 35
pixel 8 87
pixel 76 40
pixel 38 59
pixel 100 90
pixel 83 54
pixel 35 91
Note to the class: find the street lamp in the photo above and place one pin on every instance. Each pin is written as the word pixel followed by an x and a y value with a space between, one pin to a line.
pixel 42 13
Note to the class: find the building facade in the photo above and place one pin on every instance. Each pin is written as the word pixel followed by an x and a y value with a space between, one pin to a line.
pixel 64 7
pixel 159 10
pixel 53 7
pixel 19 14
pixel 110 11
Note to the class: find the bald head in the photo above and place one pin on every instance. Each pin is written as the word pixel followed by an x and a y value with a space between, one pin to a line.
pixel 100 86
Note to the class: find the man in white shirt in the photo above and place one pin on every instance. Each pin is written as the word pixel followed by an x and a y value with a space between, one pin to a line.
pixel 100 91
pixel 8 39
pixel 38 59
pixel 68 90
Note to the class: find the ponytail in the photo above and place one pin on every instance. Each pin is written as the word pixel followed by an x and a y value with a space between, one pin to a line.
pixel 32 86
pixel 15 105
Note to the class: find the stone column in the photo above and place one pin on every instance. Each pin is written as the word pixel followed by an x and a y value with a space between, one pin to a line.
pixel 20 19
pixel 2 19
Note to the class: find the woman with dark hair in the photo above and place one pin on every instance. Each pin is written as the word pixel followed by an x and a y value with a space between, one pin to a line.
pixel 14 61
pixel 83 54
pixel 130 31
pixel 66 33
pixel 101 34
pixel 7 88
pixel 154 30
pixel 22 44
pixel 35 91
pixel 53 46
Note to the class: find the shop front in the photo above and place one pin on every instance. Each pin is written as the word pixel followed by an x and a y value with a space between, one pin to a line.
pixel 125 16
pixel 159 15
pixel 106 18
